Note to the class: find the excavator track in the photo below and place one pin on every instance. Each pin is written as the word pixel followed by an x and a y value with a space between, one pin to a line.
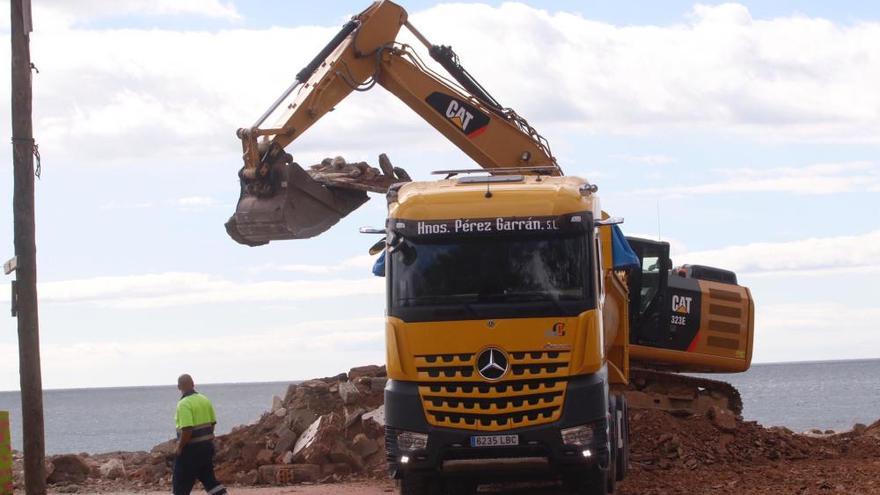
pixel 679 394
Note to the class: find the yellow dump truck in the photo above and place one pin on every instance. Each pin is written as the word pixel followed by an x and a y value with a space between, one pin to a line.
pixel 506 328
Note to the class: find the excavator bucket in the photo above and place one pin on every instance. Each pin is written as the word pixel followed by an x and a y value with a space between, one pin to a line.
pixel 301 208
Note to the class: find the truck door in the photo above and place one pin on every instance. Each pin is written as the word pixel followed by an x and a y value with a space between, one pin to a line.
pixel 648 291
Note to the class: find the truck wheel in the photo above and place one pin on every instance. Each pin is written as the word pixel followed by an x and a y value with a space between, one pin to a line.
pixel 623 449
pixel 613 444
pixel 460 487
pixel 592 482
pixel 419 485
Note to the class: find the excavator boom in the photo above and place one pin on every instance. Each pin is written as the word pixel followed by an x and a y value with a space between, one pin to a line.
pixel 281 200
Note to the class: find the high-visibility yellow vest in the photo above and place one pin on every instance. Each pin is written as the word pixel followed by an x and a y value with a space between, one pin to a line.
pixel 195 411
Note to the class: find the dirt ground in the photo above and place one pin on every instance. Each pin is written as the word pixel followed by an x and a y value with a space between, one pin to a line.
pixel 677 456
pixel 353 488
pixel 801 477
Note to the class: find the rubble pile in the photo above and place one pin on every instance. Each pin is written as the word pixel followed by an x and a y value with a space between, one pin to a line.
pixel 67 473
pixel 332 429
pixel 322 430
pixel 663 441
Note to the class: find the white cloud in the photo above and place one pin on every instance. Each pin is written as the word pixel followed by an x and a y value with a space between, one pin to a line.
pixel 646 159
pixel 789 332
pixel 65 13
pixel 196 202
pixel 116 205
pixel 300 350
pixel 112 94
pixel 181 289
pixel 806 256
pixel 823 178
pixel 362 263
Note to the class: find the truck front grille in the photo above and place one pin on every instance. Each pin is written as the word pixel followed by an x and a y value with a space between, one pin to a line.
pixel 454 395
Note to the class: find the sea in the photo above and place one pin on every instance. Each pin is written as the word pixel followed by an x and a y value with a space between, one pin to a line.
pixel 801 396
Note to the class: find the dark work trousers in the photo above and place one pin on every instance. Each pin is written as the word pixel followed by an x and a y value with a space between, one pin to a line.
pixel 196 462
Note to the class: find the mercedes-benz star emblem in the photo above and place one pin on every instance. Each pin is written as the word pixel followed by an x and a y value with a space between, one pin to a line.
pixel 492 364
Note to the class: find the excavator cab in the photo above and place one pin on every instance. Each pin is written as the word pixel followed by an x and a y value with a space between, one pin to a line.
pixel 648 285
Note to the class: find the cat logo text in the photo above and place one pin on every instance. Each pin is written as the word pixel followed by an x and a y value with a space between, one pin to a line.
pixel 682 304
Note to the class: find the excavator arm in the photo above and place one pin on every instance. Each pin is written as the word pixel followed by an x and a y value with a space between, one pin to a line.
pixel 281 200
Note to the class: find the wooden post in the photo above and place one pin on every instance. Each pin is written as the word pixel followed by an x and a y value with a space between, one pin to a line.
pixel 25 297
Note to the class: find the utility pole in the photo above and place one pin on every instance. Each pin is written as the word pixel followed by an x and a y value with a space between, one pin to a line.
pixel 25 261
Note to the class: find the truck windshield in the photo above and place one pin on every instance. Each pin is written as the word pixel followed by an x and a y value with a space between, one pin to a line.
pixel 490 277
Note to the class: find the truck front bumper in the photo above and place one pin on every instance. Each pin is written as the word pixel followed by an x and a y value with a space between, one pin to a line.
pixel 540 449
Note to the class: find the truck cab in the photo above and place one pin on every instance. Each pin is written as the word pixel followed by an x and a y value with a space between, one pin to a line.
pixel 500 332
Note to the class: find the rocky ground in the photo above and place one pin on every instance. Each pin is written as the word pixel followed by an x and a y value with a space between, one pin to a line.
pixel 326 436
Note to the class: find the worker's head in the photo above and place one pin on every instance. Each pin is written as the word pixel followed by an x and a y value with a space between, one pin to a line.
pixel 185 383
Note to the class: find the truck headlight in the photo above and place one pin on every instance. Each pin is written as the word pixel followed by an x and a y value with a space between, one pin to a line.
pixel 579 436
pixel 410 441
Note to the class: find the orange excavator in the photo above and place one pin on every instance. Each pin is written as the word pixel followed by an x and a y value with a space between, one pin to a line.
pixel 649 321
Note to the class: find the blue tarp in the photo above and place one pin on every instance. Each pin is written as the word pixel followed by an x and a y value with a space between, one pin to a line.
pixel 623 255
pixel 379 265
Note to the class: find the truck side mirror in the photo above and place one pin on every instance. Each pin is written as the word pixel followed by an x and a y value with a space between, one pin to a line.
pixel 378 247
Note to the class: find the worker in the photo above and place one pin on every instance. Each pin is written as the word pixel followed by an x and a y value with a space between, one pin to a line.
pixel 194 420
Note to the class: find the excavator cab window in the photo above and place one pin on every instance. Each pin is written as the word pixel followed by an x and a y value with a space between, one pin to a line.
pixel 648 288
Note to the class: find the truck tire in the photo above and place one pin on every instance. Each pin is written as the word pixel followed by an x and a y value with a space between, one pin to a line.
pixel 592 482
pixel 623 449
pixel 460 487
pixel 613 444
pixel 418 485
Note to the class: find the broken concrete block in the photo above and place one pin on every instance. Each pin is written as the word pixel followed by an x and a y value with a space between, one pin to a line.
pixel 363 445
pixel 349 393
pixel 316 442
pixel 723 419
pixel 286 440
pixel 112 469
pixel 369 371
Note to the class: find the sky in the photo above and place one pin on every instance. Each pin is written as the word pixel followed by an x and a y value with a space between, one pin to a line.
pixel 746 134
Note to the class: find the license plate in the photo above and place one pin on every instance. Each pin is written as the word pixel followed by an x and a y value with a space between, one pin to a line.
pixel 495 441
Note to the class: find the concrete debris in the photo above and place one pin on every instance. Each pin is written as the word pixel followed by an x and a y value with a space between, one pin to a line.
pixel 286 439
pixel 374 421
pixel 371 371
pixel 358 175
pixel 377 384
pixel 353 414
pixel 113 469
pixel 333 426
pixel 723 419
pixel 349 393
pixel 69 468
pixel 364 446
